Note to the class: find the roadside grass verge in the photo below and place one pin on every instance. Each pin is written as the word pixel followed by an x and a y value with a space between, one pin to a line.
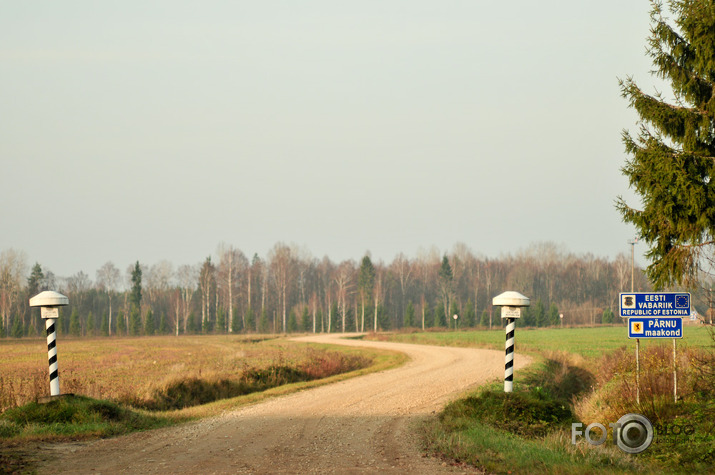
pixel 75 417
pixel 526 431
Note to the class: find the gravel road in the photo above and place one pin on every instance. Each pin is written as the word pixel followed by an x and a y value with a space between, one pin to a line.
pixel 360 425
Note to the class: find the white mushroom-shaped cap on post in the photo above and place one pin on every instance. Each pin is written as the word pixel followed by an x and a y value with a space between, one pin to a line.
pixel 49 298
pixel 511 299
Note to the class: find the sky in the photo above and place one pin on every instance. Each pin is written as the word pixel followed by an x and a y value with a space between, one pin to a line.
pixel 156 130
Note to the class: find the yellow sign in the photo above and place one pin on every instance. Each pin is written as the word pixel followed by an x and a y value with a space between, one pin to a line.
pixel 637 327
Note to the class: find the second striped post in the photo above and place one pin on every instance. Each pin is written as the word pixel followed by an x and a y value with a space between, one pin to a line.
pixel 509 360
pixel 511 304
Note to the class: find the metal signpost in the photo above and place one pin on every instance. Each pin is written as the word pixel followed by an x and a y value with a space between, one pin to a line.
pixel 49 302
pixel 655 315
pixel 511 304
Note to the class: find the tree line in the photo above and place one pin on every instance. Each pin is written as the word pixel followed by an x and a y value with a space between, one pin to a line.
pixel 289 290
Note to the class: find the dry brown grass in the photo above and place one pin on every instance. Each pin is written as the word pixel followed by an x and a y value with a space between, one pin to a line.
pixel 123 369
pixel 615 388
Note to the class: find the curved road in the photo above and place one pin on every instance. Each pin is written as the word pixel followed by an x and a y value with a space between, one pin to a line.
pixel 360 425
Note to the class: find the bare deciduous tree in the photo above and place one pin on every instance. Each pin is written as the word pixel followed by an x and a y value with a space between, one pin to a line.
pixel 108 277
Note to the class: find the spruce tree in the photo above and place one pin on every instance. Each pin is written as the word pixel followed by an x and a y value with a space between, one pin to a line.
pixel 453 310
pixel 305 321
pixel 17 330
pixel 470 315
pixel 121 324
pixel 105 324
pixel 164 328
pixel 292 322
pixel 539 313
pixel 672 160
pixel 554 317
pixel 250 321
pixel 484 321
pixel 221 321
pixel 149 324
pixel 90 324
pixel 264 325
pixel 191 323
pixel 607 316
pixel 135 322
pixel 410 315
pixel 75 329
pixel 135 297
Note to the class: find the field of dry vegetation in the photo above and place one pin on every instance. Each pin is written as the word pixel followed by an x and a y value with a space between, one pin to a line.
pixel 160 372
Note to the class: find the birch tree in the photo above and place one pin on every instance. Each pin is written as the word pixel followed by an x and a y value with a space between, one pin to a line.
pixel 108 277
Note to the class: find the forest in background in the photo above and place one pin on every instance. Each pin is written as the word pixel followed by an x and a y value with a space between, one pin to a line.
pixel 289 290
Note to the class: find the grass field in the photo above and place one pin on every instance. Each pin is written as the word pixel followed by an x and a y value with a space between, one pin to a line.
pixel 131 369
pixel 587 342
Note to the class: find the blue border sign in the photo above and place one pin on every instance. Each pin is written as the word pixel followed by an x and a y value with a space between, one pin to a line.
pixel 655 327
pixel 650 304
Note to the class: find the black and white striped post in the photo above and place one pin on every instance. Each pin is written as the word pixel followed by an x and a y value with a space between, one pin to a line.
pixel 49 302
pixel 511 304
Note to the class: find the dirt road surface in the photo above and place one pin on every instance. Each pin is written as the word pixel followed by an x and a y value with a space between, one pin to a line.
pixel 361 425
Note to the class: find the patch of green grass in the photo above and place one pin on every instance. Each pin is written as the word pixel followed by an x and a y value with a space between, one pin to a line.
pixel 529 414
pixel 74 417
pixel 585 341
pixel 498 451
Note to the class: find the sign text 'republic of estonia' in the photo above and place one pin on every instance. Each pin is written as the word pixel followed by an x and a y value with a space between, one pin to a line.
pixel 668 327
pixel 649 304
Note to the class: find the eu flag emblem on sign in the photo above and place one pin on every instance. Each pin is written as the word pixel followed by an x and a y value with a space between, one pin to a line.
pixel 682 301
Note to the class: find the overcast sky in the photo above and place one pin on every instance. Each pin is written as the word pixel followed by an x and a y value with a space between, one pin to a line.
pixel 157 129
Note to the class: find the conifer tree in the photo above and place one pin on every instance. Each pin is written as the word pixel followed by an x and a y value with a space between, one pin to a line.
pixel 366 282
pixel 121 324
pixel 220 320
pixel 453 310
pixel 149 325
pixel 135 322
pixel 136 294
pixel 445 288
pixel 539 314
pixel 672 159
pixel 264 325
pixel 410 315
pixel 292 322
pixel 484 321
pixel 17 330
pixel 470 315
pixel 237 321
pixel 75 329
pixel 554 316
pixel 164 327
pixel 250 321
pixel 90 324
pixel 191 323
pixel 305 321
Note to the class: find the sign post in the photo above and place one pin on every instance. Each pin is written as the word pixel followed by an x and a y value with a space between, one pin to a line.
pixel 49 302
pixel 511 304
pixel 655 315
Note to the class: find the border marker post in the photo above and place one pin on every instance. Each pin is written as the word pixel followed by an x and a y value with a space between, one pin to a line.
pixel 49 302
pixel 511 304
